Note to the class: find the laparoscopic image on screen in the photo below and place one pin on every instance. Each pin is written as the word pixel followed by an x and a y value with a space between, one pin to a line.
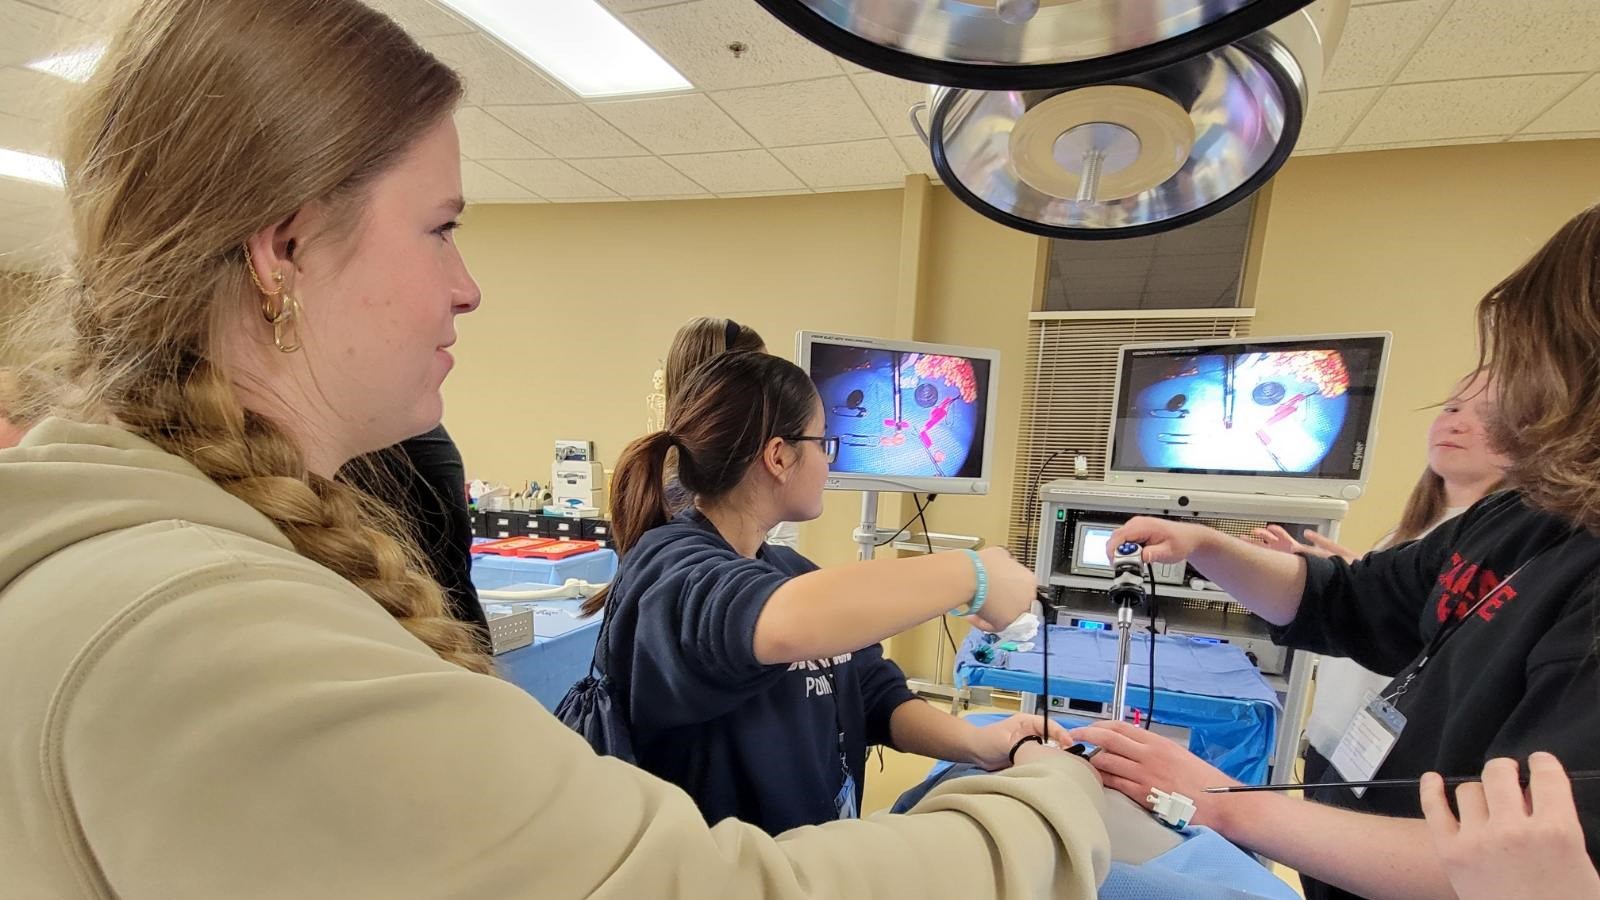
pixel 911 415
pixel 1276 412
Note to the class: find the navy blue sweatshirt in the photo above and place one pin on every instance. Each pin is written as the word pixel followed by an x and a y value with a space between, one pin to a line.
pixel 1519 675
pixel 747 740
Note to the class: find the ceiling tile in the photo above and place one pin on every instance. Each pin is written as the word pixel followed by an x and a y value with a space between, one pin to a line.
pixel 1416 145
pixel 645 176
pixel 33 95
pixel 485 137
pixel 27 135
pixel 1559 136
pixel 422 18
pixel 689 123
pixel 1451 110
pixel 52 218
pixel 493 74
pixel 916 155
pixel 703 195
pixel 1479 38
pixel 20 236
pixel 15 213
pixel 739 172
pixel 1377 41
pixel 570 131
pixel 552 179
pixel 483 186
pixel 694 37
pixel 84 10
pixel 743 194
pixel 845 165
pixel 1578 111
pixel 802 112
pixel 30 33
pixel 32 194
pixel 890 99
pixel 1332 116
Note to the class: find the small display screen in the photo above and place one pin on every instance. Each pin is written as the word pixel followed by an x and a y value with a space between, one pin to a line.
pixel 1090 550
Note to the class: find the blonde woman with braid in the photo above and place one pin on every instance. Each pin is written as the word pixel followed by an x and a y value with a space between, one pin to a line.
pixel 224 675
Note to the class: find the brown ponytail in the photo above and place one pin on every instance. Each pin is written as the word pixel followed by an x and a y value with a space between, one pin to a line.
pixel 638 498
pixel 727 413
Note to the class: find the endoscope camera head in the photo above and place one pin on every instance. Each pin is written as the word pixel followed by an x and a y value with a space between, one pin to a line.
pixel 1127 575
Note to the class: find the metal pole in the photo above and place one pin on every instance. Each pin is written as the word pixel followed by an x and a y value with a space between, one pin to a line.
pixel 1119 691
pixel 867 534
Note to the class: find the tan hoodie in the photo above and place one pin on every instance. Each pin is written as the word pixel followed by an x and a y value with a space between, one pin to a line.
pixel 189 709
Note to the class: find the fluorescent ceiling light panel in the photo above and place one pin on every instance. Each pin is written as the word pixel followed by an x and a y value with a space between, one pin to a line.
pixel 26 166
pixel 73 65
pixel 581 44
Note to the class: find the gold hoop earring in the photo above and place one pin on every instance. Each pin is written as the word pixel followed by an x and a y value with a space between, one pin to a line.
pixel 285 334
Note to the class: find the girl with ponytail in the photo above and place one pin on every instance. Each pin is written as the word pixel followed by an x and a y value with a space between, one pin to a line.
pixel 747 676
pixel 225 672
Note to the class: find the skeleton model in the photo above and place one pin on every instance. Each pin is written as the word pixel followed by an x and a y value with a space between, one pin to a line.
pixel 656 403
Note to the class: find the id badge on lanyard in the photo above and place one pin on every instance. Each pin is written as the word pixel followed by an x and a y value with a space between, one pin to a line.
pixel 1376 729
pixel 845 805
pixel 1369 741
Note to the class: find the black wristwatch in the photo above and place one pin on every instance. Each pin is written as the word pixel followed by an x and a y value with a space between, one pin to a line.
pixel 1029 738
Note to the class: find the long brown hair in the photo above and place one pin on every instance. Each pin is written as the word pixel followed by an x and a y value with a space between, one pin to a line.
pixel 1539 335
pixel 206 121
pixel 1426 506
pixel 1428 500
pixel 730 409
pixel 701 340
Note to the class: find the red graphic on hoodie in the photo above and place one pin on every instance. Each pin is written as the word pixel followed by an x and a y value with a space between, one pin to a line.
pixel 1465 584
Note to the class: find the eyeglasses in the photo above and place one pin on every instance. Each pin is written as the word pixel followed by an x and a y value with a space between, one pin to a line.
pixel 829 445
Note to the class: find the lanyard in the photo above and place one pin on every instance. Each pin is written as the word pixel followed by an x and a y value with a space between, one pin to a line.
pixel 839 724
pixel 838 715
pixel 1448 629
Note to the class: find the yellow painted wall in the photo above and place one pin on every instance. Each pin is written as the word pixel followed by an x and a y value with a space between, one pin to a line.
pixel 1407 241
pixel 581 301
pixel 980 284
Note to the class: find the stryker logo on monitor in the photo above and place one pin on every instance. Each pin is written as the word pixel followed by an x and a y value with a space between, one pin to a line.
pixel 1293 408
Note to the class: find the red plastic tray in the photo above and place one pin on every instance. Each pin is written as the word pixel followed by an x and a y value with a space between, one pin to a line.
pixel 559 550
pixel 517 546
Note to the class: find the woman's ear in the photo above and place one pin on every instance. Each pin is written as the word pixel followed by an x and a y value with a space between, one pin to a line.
pixel 778 457
pixel 272 249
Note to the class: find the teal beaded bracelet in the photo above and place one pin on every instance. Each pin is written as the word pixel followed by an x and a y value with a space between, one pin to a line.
pixel 981 595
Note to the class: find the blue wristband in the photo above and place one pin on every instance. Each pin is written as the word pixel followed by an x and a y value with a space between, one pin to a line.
pixel 981 595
